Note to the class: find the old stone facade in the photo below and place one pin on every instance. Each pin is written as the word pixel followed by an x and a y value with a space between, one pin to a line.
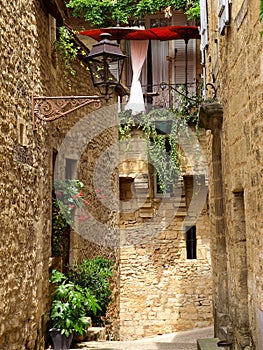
pixel 157 287
pixel 162 289
pixel 29 67
pixel 234 65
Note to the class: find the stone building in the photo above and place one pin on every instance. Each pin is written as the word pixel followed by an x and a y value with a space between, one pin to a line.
pixel 30 67
pixel 232 57
pixel 165 264
pixel 158 287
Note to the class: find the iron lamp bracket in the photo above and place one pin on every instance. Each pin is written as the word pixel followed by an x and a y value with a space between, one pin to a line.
pixel 47 109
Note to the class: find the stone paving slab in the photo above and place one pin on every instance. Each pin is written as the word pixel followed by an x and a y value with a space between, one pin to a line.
pixel 176 341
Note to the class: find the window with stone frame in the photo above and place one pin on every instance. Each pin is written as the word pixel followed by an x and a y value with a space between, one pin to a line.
pixel 191 242
pixel 71 168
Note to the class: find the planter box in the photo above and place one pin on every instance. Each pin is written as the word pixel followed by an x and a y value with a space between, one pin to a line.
pixel 163 127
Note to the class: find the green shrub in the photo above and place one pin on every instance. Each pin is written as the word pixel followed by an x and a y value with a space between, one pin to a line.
pixel 94 274
pixel 70 305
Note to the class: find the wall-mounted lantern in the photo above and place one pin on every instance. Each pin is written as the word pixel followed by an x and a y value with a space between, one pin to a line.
pixel 105 62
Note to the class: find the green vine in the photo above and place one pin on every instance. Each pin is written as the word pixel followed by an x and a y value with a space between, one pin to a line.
pixel 163 147
pixel 68 50
pixel 108 12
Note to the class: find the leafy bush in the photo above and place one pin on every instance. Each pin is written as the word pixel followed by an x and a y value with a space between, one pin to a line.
pixel 94 274
pixel 70 305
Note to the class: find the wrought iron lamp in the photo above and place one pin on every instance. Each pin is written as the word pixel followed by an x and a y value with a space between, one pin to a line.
pixel 105 62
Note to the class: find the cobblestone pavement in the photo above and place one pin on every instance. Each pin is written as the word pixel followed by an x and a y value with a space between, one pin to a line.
pixel 175 341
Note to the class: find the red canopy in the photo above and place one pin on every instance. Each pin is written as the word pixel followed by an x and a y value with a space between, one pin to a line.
pixel 160 33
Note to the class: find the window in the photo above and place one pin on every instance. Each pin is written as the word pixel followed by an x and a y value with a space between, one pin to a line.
pixel 71 168
pixel 126 188
pixel 52 28
pixel 21 132
pixel 191 242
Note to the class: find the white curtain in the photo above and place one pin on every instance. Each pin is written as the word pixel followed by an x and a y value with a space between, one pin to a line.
pixel 160 65
pixel 138 54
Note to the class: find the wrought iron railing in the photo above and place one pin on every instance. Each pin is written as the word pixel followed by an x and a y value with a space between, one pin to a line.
pixel 170 95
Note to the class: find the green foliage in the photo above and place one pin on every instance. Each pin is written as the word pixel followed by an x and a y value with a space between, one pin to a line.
pixel 70 304
pixel 94 274
pixel 59 228
pixel 68 50
pixel 261 15
pixel 108 12
pixel 261 11
pixel 163 149
pixel 67 196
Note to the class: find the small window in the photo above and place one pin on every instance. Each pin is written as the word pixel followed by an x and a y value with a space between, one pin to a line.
pixel 71 169
pixel 21 132
pixel 126 188
pixel 52 28
pixel 191 242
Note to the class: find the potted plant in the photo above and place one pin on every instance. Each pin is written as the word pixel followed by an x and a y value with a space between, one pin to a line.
pixel 69 307
pixel 95 275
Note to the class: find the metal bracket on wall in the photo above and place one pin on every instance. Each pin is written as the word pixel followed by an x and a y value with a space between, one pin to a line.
pixel 52 108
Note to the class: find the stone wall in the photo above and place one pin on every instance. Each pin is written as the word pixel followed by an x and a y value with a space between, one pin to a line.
pixel 25 183
pixel 161 290
pixel 234 65
pixel 29 66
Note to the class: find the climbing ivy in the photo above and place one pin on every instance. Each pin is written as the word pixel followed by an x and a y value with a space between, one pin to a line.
pixel 108 12
pixel 167 163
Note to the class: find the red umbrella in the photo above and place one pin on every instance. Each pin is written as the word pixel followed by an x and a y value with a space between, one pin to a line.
pixel 160 33
pixel 119 33
pixel 176 32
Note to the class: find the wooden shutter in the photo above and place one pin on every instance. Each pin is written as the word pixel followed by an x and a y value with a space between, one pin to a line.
pixel 223 15
pixel 180 61
pixel 203 25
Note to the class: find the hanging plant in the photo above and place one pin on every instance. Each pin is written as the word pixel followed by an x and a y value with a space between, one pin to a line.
pixel 69 51
pixel 163 146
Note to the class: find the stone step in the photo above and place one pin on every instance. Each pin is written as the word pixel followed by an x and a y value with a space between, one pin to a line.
pixel 96 333
pixel 207 344
pixel 93 334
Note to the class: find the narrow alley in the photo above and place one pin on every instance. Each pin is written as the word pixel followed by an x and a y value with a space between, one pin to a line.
pixel 186 340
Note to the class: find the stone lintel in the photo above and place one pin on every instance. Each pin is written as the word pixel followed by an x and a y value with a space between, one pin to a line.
pixel 211 115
